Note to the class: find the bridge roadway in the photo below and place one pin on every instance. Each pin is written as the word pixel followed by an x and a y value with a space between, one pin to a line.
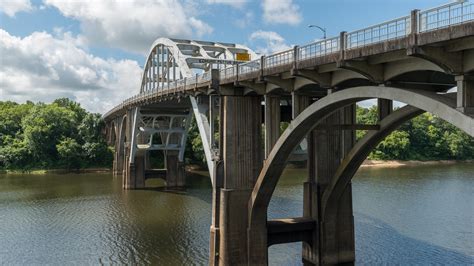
pixel 416 60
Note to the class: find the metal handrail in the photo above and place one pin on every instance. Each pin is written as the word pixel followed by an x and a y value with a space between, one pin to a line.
pixel 249 67
pixel 390 30
pixel 319 48
pixel 278 59
pixel 445 16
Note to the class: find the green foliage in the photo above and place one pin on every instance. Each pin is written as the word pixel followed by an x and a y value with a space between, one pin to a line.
pixel 425 137
pixel 70 153
pixel 60 134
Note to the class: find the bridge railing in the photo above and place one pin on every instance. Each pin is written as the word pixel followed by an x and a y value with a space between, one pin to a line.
pixel 250 67
pixel 427 20
pixel 445 16
pixel 319 48
pixel 390 30
pixel 279 59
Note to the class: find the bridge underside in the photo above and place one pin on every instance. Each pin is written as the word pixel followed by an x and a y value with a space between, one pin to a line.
pixel 239 115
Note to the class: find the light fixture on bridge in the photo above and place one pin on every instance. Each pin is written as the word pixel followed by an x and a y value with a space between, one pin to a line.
pixel 321 28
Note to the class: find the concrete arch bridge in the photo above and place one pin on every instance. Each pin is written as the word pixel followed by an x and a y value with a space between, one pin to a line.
pixel 416 59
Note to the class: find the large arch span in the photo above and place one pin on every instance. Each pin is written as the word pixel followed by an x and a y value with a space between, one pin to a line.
pixel 442 105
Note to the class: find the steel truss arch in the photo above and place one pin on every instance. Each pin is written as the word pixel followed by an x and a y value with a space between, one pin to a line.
pixel 170 60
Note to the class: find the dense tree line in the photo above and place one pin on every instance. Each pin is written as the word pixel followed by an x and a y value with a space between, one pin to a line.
pixel 57 135
pixel 64 135
pixel 425 137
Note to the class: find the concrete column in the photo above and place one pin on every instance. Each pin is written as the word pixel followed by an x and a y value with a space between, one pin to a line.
pixel 465 94
pixel 134 172
pixel 299 103
pixel 272 121
pixel 333 240
pixel 242 162
pixel 175 171
pixel 385 107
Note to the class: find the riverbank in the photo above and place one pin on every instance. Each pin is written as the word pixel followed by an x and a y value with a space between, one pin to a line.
pixel 58 171
pixel 399 163
pixel 195 167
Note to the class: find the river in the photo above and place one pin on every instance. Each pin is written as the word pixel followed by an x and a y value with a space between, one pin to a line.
pixel 404 215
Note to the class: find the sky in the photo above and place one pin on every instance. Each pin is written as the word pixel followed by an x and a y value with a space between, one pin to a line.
pixel 93 51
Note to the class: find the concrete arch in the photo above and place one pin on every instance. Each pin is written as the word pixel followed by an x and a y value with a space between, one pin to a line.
pixel 359 153
pixel 397 68
pixel 343 75
pixel 439 105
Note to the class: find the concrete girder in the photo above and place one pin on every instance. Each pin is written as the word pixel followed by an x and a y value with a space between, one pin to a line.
pixel 300 82
pixel 372 72
pixel 461 45
pixel 322 79
pixel 468 62
pixel 450 62
pixel 342 75
pixel 397 68
pixel 259 88
pixel 277 82
pixel 440 105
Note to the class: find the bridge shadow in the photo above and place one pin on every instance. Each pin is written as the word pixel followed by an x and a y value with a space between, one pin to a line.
pixel 198 185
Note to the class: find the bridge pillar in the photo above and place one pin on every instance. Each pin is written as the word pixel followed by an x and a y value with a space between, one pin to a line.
pixel 333 239
pixel 272 121
pixel 175 170
pixel 134 172
pixel 465 94
pixel 242 162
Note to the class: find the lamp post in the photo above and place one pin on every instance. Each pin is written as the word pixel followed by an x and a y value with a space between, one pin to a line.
pixel 320 28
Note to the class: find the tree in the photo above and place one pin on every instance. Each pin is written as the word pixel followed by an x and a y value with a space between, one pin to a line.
pixel 70 153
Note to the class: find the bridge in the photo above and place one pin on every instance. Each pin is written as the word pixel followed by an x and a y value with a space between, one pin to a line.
pixel 417 59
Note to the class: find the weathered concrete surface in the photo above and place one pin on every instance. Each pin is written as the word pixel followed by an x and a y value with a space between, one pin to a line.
pixel 242 160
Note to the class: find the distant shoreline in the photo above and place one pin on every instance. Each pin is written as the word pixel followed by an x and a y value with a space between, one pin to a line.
pixel 400 163
pixel 193 167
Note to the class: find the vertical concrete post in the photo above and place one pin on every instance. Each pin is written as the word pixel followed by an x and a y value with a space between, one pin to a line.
pixel 175 170
pixel 333 241
pixel 242 162
pixel 272 121
pixel 385 107
pixel 465 94
pixel 414 28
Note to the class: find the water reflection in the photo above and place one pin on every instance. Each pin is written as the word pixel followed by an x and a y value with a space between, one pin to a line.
pixel 411 215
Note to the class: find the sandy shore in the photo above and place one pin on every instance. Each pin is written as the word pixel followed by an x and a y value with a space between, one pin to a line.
pixel 398 163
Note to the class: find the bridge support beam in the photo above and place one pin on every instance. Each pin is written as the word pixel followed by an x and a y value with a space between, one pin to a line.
pixel 465 94
pixel 134 172
pixel 175 171
pixel 272 121
pixel 333 239
pixel 242 162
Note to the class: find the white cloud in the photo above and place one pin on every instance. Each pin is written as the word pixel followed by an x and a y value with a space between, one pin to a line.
pixel 233 3
pixel 271 41
pixel 11 7
pixel 245 20
pixel 281 12
pixel 132 25
pixel 42 67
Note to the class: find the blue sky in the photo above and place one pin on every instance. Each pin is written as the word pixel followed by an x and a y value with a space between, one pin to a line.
pixel 92 51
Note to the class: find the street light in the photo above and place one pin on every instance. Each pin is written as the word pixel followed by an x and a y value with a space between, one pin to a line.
pixel 322 29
